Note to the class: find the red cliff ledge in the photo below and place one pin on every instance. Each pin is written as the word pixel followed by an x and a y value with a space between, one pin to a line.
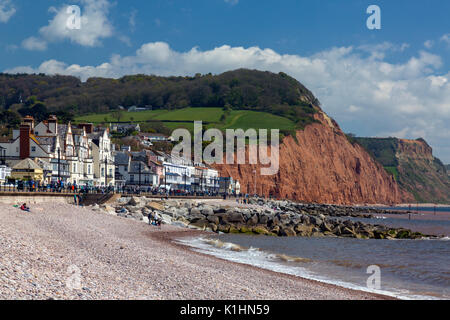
pixel 322 166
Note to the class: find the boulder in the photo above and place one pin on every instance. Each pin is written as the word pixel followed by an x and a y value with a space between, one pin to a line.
pixel 264 219
pixel 325 227
pixel 155 206
pixel 225 228
pixel 207 211
pixel 213 219
pixel 134 201
pixel 253 221
pixel 261 230
pixel 234 229
pixel 234 217
pixel 315 221
pixel 303 230
pixel 137 215
pixel 212 227
pixel 275 230
pixel 195 212
pixel 200 223
pixel 287 232
pixel 246 229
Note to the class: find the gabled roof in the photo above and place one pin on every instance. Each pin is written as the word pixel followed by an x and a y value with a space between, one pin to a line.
pixel 121 158
pixel 134 168
pixel 27 164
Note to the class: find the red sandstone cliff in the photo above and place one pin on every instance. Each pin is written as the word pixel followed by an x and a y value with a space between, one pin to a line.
pixel 322 166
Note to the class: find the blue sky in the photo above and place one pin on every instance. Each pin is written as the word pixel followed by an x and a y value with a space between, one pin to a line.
pixel 388 82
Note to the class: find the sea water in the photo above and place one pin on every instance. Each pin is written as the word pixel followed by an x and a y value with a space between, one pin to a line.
pixel 410 269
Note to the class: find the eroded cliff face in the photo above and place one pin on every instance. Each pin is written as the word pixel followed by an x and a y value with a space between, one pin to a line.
pixel 421 173
pixel 322 166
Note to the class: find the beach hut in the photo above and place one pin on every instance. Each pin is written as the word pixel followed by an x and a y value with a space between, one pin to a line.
pixel 27 169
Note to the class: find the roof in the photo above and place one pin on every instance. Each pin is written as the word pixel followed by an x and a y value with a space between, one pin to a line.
pixel 153 135
pixel 134 167
pixel 121 158
pixel 27 164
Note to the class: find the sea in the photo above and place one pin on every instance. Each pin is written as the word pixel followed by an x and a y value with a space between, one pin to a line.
pixel 405 269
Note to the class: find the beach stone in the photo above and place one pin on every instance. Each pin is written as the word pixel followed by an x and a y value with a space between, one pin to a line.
pixel 214 219
pixel 325 227
pixel 212 227
pixel 195 212
pixel 245 229
pixel 137 215
pixel 234 217
pixel 303 230
pixel 200 223
pixel 253 220
pixel 207 210
pixel 264 219
pixel 133 201
pixel 260 230
pixel 155 206
pixel 287 232
pixel 275 230
pixel 225 228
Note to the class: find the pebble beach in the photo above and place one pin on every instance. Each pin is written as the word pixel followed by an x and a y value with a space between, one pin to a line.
pixel 61 252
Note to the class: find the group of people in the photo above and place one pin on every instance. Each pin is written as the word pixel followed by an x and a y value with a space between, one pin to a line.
pixel 154 220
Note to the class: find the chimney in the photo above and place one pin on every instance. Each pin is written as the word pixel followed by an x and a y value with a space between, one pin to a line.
pixel 89 127
pixel 24 141
pixel 29 120
pixel 53 124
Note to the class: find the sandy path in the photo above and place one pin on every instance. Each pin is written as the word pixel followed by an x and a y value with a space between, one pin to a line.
pixel 125 259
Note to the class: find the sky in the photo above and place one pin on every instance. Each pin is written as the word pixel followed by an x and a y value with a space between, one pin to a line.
pixel 392 81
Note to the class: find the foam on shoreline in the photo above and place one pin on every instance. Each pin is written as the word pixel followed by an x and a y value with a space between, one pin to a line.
pixel 281 263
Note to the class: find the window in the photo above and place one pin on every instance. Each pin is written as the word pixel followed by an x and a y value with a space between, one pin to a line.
pixel 132 178
pixel 33 149
pixel 103 172
pixel 89 169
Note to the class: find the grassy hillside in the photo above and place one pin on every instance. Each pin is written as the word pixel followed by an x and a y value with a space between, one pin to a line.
pixel 171 98
pixel 212 118
pixel 413 166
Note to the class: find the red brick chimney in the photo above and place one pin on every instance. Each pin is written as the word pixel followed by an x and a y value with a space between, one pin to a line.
pixel 29 120
pixel 24 141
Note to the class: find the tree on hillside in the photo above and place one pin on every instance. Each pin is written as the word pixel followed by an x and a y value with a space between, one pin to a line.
pixel 117 114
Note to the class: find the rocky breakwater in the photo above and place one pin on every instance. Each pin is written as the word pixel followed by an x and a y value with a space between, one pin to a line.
pixel 271 218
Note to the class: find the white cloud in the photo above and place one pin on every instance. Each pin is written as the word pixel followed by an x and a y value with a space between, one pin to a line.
pixel 367 95
pixel 34 44
pixel 7 10
pixel 446 38
pixel 94 26
pixel 232 2
pixel 428 44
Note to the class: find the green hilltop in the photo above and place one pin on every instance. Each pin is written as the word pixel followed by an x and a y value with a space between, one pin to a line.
pixel 244 98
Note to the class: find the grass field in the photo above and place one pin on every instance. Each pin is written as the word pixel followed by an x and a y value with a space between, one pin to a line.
pixel 237 119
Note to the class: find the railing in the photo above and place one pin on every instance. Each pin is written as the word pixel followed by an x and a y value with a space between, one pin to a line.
pixel 67 189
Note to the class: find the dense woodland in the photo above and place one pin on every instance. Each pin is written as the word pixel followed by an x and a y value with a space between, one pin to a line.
pixel 66 96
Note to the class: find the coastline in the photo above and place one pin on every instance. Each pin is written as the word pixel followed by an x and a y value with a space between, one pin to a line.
pixel 172 237
pixel 119 258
